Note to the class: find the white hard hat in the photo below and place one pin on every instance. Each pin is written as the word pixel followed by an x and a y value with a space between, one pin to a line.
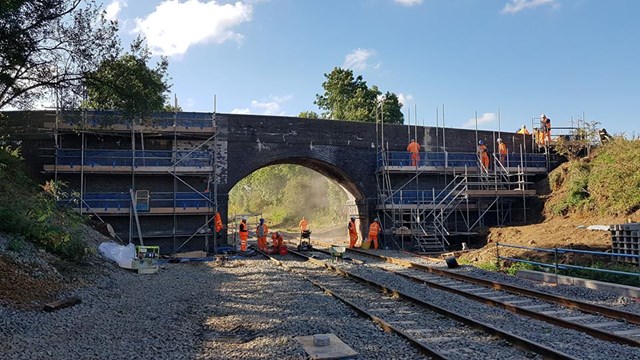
pixel 499 140
pixel 543 116
pixel 523 126
pixel 244 218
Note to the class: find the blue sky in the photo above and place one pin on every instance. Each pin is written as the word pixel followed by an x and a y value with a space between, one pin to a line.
pixel 521 57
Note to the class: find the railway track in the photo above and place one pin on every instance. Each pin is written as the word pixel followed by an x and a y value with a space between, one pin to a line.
pixel 598 321
pixel 437 332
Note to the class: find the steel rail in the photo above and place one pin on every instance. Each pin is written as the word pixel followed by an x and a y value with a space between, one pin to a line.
pixel 512 338
pixel 387 327
pixel 559 300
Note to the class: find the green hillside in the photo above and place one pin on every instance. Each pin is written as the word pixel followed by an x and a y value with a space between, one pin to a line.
pixel 605 183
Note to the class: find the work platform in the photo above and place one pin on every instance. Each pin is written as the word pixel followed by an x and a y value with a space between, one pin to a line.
pixel 431 214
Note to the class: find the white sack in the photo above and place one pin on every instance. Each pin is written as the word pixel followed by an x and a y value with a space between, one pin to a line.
pixel 118 253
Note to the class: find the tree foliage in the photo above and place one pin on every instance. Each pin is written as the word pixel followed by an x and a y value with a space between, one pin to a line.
pixel 47 44
pixel 285 193
pixel 309 115
pixel 128 84
pixel 349 98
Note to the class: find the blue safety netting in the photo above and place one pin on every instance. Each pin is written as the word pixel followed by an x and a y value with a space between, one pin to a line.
pixel 122 200
pixel 408 197
pixel 403 158
pixel 73 157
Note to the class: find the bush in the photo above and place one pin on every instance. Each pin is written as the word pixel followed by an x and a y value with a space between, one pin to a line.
pixel 16 244
pixel 32 214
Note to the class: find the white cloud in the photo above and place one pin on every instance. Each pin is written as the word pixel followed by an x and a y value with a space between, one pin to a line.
pixel 357 59
pixel 174 26
pixel 518 5
pixel 113 9
pixel 271 106
pixel 483 119
pixel 408 2
pixel 405 99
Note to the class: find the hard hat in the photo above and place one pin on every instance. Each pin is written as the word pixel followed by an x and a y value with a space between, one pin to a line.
pixel 353 218
pixel 499 140
pixel 376 219
pixel 412 140
pixel 481 142
pixel 523 126
pixel 244 218
pixel 543 116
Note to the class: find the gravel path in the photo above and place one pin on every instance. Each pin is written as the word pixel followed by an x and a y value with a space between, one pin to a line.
pixel 247 309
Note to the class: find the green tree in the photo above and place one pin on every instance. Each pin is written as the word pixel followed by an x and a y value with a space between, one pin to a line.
pixel 349 98
pixel 391 108
pixel 51 44
pixel 128 84
pixel 309 115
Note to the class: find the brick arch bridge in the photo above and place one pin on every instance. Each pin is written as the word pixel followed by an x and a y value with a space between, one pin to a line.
pixel 107 160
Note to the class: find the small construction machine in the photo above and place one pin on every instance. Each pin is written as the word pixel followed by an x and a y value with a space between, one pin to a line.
pixel 146 260
pixel 305 241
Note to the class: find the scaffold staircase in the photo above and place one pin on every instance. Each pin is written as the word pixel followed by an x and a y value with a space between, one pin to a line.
pixel 432 231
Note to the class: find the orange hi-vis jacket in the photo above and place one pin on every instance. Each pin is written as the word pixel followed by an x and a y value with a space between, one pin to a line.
pixel 502 149
pixel 262 230
pixel 218 222
pixel 244 232
pixel 277 240
pixel 413 147
pixel 352 228
pixel 374 229
pixel 304 225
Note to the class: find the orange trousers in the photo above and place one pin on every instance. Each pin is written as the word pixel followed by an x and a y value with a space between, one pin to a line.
pixel 262 243
pixel 353 238
pixel 373 238
pixel 485 161
pixel 243 242
pixel 415 159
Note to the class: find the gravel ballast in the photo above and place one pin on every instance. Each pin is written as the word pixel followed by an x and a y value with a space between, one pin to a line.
pixel 246 309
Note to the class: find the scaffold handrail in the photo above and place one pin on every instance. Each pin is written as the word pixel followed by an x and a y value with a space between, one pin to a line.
pixel 99 157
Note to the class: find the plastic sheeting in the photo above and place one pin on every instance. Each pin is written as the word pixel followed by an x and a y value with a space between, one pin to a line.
pixel 121 254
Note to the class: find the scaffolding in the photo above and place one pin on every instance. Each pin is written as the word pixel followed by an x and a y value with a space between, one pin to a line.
pixel 90 153
pixel 414 206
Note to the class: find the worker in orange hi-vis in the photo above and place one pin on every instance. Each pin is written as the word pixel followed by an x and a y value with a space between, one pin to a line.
pixel 483 153
pixel 261 233
pixel 545 124
pixel 243 230
pixel 353 233
pixel 414 149
pixel 504 152
pixel 374 230
pixel 304 225
pixel 218 225
pixel 277 239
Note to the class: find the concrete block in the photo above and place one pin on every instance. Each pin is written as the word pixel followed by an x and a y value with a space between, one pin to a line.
pixel 624 290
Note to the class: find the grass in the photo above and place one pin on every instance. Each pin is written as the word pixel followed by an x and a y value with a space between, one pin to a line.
pixel 608 182
pixel 30 213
